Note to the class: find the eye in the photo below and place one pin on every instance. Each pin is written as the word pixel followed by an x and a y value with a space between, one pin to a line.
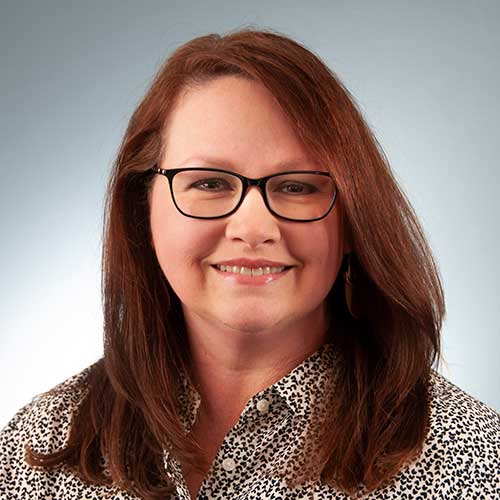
pixel 213 184
pixel 297 188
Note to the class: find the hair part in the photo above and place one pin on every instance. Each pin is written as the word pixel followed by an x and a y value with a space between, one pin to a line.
pixel 130 415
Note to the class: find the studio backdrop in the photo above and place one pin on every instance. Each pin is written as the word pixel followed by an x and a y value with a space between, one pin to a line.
pixel 425 75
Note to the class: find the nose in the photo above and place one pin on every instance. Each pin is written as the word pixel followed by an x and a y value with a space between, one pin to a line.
pixel 253 223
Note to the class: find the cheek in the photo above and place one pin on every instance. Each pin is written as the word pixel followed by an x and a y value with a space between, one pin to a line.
pixel 177 246
pixel 319 249
pixel 181 245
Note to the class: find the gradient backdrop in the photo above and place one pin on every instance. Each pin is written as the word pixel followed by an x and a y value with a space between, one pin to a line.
pixel 425 74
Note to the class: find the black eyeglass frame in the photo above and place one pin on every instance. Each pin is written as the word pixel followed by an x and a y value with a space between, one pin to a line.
pixel 247 182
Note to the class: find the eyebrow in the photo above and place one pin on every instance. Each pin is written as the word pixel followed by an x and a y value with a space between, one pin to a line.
pixel 227 164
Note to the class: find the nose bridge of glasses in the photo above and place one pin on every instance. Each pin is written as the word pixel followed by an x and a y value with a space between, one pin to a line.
pixel 259 184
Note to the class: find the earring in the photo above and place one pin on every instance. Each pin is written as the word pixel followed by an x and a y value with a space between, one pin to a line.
pixel 349 277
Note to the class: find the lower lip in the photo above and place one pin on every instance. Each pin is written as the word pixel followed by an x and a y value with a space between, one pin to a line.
pixel 245 279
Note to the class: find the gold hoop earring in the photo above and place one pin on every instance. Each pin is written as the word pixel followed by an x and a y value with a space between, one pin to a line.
pixel 349 277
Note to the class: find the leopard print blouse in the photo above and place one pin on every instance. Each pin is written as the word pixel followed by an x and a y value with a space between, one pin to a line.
pixel 264 456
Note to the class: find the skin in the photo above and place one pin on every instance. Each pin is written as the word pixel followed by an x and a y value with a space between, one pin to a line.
pixel 242 339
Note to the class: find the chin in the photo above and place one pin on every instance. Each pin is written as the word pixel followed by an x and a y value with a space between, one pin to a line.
pixel 250 324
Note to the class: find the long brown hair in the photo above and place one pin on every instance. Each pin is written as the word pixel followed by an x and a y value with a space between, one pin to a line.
pixel 129 415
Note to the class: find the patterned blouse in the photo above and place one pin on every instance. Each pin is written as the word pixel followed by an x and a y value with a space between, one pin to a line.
pixel 270 443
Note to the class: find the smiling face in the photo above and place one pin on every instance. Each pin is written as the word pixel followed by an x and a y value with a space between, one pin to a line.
pixel 238 122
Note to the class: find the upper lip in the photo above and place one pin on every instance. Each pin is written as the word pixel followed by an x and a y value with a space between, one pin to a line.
pixel 252 263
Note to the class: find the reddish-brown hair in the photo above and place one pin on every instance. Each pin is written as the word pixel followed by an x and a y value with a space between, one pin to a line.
pixel 129 414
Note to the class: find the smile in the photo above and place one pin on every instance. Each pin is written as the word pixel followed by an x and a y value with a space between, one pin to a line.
pixel 251 271
pixel 250 276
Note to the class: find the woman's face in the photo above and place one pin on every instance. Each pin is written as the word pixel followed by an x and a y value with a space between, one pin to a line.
pixel 239 123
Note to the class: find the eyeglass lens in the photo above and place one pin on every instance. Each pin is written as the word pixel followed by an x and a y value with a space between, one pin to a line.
pixel 208 193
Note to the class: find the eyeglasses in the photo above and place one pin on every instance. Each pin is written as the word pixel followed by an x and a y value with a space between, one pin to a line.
pixel 210 193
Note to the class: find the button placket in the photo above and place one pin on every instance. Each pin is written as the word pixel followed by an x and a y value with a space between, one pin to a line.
pixel 263 405
pixel 229 464
pixel 211 483
pixel 229 449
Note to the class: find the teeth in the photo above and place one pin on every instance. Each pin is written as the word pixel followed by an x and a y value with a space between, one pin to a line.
pixel 276 269
pixel 254 271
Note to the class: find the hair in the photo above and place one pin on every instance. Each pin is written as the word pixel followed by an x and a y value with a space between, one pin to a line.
pixel 129 415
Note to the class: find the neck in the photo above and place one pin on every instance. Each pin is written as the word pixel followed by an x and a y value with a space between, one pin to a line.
pixel 230 367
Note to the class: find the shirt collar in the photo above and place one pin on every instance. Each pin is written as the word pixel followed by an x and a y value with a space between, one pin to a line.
pixel 306 385
pixel 304 388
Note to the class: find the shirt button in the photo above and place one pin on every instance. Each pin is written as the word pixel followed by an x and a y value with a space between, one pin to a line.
pixel 229 464
pixel 263 405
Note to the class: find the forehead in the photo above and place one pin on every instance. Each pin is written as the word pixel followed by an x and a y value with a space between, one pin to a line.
pixel 232 123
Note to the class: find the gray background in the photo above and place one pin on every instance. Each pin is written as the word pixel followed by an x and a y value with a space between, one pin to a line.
pixel 425 74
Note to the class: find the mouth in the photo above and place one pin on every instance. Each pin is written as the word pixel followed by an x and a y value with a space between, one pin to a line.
pixel 251 271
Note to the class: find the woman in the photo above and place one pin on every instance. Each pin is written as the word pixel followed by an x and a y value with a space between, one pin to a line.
pixel 272 309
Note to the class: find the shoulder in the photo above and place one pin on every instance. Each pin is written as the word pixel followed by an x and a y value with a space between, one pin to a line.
pixel 42 424
pixel 463 439
pixel 460 457
pixel 454 410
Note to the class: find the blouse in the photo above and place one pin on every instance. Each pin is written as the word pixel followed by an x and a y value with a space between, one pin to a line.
pixel 460 458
